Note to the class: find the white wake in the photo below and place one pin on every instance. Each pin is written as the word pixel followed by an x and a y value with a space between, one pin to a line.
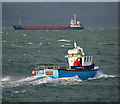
pixel 37 80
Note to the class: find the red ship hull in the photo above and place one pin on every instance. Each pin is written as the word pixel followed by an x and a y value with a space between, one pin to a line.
pixel 47 28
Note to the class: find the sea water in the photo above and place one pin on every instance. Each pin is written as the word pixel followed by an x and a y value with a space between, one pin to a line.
pixel 24 50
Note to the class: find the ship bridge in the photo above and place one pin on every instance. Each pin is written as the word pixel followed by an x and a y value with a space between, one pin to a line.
pixel 75 23
pixel 78 54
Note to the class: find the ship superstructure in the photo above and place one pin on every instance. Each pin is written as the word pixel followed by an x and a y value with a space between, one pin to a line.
pixel 75 23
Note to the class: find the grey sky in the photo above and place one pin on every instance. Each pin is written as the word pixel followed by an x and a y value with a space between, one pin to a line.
pixel 59 0
pixel 56 14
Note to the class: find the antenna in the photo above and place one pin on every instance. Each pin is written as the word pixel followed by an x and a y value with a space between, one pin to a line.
pixel 20 21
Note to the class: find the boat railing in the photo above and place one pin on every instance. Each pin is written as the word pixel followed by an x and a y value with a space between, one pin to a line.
pixel 50 67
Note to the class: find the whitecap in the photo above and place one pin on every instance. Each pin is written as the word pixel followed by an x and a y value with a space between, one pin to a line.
pixel 13 45
pixel 41 37
pixel 38 51
pixel 1 32
pixel 55 30
pixel 24 34
pixel 20 46
pixel 67 44
pixel 5 79
pixel 29 43
pixel 4 41
pixel 23 91
pixel 62 46
pixel 15 31
pixel 15 91
pixel 40 43
pixel 63 40
pixel 24 54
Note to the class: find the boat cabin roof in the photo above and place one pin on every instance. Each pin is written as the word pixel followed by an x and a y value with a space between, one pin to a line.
pixel 78 55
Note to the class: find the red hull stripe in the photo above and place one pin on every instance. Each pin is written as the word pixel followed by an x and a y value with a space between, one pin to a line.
pixel 44 27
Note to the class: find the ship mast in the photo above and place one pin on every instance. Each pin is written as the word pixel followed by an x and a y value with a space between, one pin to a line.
pixel 20 21
pixel 75 19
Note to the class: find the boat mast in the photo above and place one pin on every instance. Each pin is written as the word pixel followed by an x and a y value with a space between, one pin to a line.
pixel 78 48
pixel 75 45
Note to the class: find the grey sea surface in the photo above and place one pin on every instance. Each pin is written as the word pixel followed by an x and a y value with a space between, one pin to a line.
pixel 24 50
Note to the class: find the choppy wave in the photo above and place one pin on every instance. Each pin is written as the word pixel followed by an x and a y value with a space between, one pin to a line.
pixel 37 80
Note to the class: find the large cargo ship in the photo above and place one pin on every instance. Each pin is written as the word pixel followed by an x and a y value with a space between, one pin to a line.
pixel 74 25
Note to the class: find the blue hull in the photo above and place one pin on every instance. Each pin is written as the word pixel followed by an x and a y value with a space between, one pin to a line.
pixel 67 73
pixel 80 74
pixel 68 28
pixel 83 72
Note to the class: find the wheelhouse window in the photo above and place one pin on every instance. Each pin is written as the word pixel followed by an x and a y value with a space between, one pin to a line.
pixel 84 59
pixel 87 59
pixel 90 58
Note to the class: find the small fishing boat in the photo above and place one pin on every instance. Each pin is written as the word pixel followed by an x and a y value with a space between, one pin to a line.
pixel 80 64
